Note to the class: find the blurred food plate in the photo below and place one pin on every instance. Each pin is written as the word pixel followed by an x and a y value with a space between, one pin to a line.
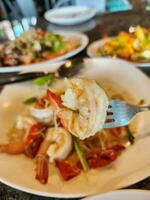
pixel 70 15
pixel 83 39
pixel 123 195
pixel 93 51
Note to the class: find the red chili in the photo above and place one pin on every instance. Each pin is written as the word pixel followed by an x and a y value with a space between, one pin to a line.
pixel 41 102
pixel 54 99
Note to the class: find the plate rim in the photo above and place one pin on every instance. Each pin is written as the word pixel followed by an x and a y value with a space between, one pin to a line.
pixel 84 42
pixel 60 195
pixel 100 42
pixel 117 191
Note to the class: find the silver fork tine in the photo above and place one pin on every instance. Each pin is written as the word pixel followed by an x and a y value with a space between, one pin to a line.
pixel 120 113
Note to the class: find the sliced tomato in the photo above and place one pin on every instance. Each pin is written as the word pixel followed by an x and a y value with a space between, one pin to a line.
pixel 54 99
pixel 101 158
pixel 32 148
pixel 67 170
pixel 34 139
pixel 33 132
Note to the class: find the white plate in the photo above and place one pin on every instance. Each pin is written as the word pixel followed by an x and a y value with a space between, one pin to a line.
pixel 133 164
pixel 123 195
pixel 93 47
pixel 70 15
pixel 68 34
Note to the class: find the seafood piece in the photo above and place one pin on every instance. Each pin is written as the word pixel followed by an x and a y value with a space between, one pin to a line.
pixel 57 145
pixel 45 115
pixel 61 143
pixel 42 162
pixel 85 107
pixel 29 145
pixel 12 148
pixel 23 122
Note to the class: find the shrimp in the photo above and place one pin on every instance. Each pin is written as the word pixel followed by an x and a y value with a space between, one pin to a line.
pixel 42 162
pixel 29 145
pixel 12 148
pixel 44 115
pixel 56 146
pixel 85 108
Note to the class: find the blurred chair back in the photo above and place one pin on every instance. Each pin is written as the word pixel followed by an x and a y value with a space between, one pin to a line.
pixel 27 8
pixel 59 3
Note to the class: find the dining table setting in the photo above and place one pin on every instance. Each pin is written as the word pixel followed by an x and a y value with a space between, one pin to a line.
pixel 74 105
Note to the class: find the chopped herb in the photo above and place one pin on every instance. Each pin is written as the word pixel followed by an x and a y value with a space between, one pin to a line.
pixel 38 55
pixel 80 154
pixel 30 100
pixel 17 46
pixel 130 136
pixel 44 80
pixel 58 46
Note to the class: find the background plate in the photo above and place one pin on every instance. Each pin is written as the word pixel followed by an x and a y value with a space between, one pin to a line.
pixel 128 169
pixel 71 15
pixel 93 47
pixel 82 37
pixel 123 195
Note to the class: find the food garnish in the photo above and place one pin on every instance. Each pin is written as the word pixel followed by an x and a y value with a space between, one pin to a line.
pixel 44 80
pixel 80 154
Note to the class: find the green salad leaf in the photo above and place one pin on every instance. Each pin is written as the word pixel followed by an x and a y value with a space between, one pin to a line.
pixel 30 100
pixel 44 80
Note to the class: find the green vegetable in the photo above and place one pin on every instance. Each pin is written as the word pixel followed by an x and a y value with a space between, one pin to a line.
pixel 56 42
pixel 131 138
pixel 30 100
pixel 80 154
pixel 57 46
pixel 17 46
pixel 44 80
pixel 54 38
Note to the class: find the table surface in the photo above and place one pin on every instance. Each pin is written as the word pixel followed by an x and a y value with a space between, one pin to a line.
pixel 108 24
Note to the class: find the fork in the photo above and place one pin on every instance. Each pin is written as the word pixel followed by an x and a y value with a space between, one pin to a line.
pixel 68 69
pixel 120 113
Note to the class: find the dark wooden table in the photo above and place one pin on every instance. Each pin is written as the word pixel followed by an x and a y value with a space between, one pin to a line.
pixel 101 25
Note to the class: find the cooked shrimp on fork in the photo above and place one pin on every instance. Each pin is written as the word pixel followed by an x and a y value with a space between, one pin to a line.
pixel 82 108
